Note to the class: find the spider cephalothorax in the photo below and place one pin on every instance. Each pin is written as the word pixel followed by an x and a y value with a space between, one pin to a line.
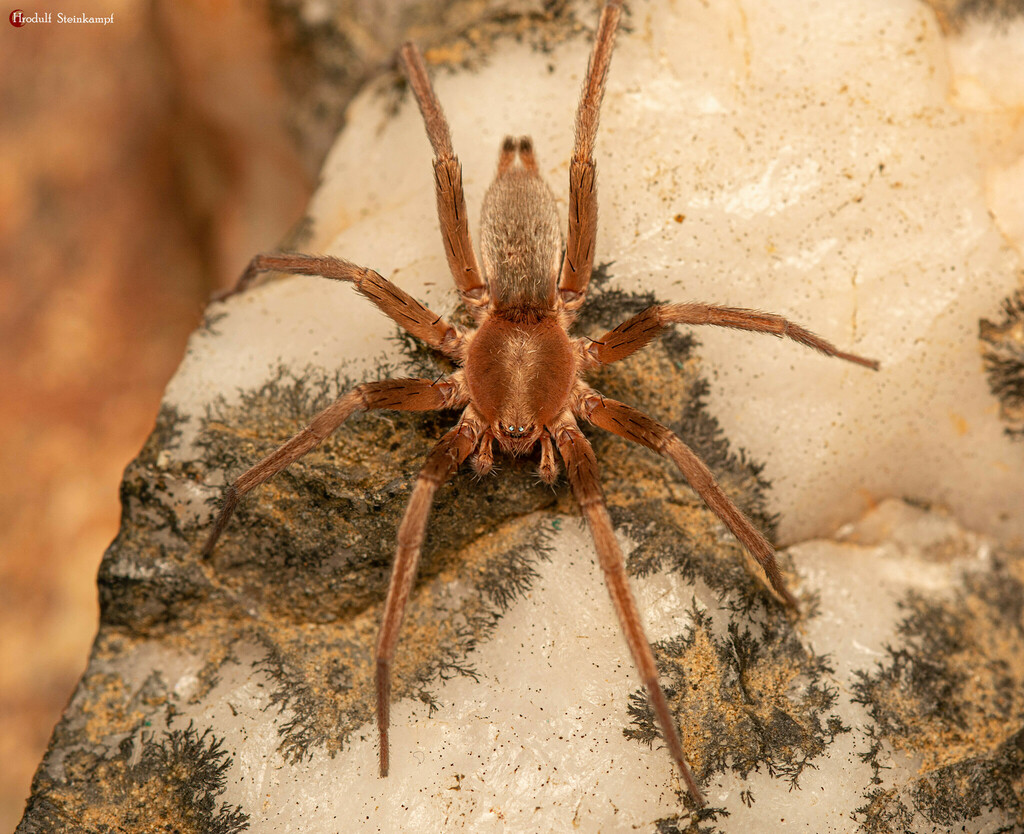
pixel 520 377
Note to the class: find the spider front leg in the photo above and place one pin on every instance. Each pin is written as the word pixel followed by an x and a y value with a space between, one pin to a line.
pixel 451 201
pixel 579 245
pixel 581 467
pixel 442 462
pixel 394 302
pixel 634 425
pixel 397 394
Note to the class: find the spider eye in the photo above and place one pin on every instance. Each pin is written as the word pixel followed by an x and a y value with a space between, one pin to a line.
pixel 511 429
pixel 521 429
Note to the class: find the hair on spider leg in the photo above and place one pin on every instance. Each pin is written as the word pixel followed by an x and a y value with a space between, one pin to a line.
pixel 517 377
pixel 541 481
pixel 495 470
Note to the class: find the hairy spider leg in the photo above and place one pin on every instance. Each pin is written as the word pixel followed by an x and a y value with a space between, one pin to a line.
pixel 389 298
pixel 395 394
pixel 579 246
pixel 634 425
pixel 581 468
pixel 639 330
pixel 442 462
pixel 451 202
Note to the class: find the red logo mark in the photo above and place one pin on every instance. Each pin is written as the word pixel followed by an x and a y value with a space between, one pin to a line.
pixel 17 18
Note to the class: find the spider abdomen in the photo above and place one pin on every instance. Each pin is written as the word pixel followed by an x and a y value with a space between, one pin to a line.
pixel 520 240
pixel 519 374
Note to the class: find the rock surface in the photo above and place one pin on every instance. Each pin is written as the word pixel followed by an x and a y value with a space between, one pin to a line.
pixel 758 156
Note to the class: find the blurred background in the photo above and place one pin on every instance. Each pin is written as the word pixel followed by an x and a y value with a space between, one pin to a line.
pixel 129 189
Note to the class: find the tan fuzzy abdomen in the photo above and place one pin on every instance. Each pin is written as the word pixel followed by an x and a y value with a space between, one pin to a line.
pixel 521 243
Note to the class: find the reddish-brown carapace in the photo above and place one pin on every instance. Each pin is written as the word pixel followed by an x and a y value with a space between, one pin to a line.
pixel 520 377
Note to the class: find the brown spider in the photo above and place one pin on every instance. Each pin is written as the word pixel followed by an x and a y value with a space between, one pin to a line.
pixel 520 380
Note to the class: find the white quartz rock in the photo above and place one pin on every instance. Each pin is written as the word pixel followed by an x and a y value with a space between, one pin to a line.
pixel 535 743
